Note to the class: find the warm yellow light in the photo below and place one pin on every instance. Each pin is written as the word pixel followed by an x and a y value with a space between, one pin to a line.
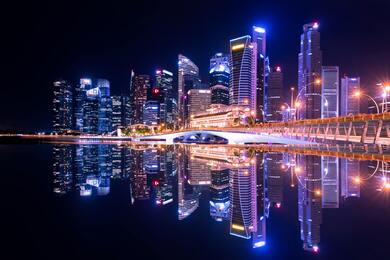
pixel 357 94
pixel 238 46
pixel 357 180
pixel 318 192
pixel 283 107
pixel 283 166
pixel 297 169
pixel 387 88
pixel 297 104
pixel 292 88
pixel 237 227
pixel 387 186
pixel 318 81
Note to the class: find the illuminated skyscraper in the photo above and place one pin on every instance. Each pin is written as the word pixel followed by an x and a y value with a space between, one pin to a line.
pixel 80 96
pixel 121 111
pixel 198 101
pixel 349 172
pixel 219 79
pixel 330 91
pixel 309 70
pixel 151 113
pixel 168 105
pixel 62 168
pixel 91 111
pixel 243 72
pixel 261 69
pixel 105 106
pixel 188 78
pixel 330 182
pixel 62 106
pixel 140 85
pixel 273 96
pixel 349 104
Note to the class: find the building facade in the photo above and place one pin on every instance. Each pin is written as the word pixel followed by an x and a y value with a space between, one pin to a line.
pixel 330 91
pixel 168 106
pixel 121 111
pixel 79 98
pixel 349 103
pixel 105 106
pixel 198 101
pixel 219 79
pixel 140 85
pixel 273 103
pixel 309 72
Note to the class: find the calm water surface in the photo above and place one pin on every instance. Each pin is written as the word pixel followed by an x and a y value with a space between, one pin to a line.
pixel 199 202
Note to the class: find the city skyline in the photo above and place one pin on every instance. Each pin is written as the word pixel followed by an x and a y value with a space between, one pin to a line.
pixel 339 42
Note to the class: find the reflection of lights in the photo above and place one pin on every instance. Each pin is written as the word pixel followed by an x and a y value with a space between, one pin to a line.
pixel 259 244
pixel 384 94
pixel 278 205
pixel 283 166
pixel 317 82
pixel 297 169
pixel 237 227
pixel 315 249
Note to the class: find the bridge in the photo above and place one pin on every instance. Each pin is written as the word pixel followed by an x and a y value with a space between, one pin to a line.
pixel 360 128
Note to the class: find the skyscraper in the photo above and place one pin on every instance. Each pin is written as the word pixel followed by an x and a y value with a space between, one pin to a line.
pixel 62 106
pixel 168 113
pixel 80 96
pixel 105 106
pixel 261 69
pixel 140 85
pixel 330 91
pixel 273 100
pixel 219 79
pixel 330 182
pixel 188 78
pixel 151 113
pixel 198 101
pixel 309 70
pixel 91 111
pixel 120 111
pixel 243 72
pixel 349 104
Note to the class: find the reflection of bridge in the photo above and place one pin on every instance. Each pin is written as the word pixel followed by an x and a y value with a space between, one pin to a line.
pixel 237 137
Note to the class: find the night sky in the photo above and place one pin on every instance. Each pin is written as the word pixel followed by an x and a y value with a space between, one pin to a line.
pixel 49 40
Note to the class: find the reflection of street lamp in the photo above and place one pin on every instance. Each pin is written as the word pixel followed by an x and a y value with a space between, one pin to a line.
pixel 358 94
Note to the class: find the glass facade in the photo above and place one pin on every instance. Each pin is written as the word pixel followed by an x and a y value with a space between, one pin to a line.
pixel 219 79
pixel 62 106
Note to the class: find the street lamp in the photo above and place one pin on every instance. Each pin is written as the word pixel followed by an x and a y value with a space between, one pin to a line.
pixel 358 94
pixel 315 82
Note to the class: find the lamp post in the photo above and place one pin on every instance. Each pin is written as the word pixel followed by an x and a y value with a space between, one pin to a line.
pixel 315 82
pixel 358 94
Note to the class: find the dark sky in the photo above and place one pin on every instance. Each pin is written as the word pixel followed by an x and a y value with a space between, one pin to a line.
pixel 47 40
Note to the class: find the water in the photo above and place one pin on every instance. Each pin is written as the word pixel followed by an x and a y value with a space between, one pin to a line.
pixel 198 202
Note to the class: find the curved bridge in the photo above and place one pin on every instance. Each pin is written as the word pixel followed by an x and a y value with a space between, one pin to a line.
pixel 230 136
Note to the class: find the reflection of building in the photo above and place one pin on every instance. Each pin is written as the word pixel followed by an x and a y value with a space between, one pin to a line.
pixel 188 78
pixel 221 116
pixel 273 171
pixel 62 106
pixel 219 194
pixel 350 171
pixel 151 161
pixel 140 85
pixel 274 100
pixel 198 173
pixel 198 101
pixel 62 168
pixel 219 79
pixel 309 200
pixel 349 104
pixel 309 70
pixel 139 185
pixel 330 182
pixel 330 91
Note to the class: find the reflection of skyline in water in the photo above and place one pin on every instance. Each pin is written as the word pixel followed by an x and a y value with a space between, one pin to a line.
pixel 241 184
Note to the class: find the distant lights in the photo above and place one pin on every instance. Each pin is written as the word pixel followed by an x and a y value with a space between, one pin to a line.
pixel 238 46
pixel 238 227
pixel 278 69
pixel 315 25
pixel 316 249
pixel 259 29
pixel 259 244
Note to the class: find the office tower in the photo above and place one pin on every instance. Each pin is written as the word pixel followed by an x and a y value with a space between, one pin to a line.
pixel 151 113
pixel 309 72
pixel 62 168
pixel 219 79
pixel 121 111
pixel 188 78
pixel 140 85
pixel 80 96
pixel 262 70
pixel 62 106
pixel 243 72
pixel 349 103
pixel 330 182
pixel 219 194
pixel 274 92
pixel 91 111
pixel 330 91
pixel 105 106
pixel 349 173
pixel 198 101
pixel 309 200
pixel 168 106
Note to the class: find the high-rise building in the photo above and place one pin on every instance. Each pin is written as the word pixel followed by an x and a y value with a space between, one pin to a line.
pixel 188 78
pixel 243 72
pixel 309 72
pixel 105 106
pixel 273 101
pixel 349 173
pixel 79 98
pixel 198 101
pixel 140 85
pixel 330 91
pixel 91 111
pixel 168 106
pixel 121 111
pixel 330 182
pixel 219 79
pixel 62 106
pixel 219 194
pixel 349 103
pixel 261 64
pixel 151 113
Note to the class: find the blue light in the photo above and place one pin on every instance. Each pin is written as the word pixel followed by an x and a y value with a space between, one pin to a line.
pixel 259 244
pixel 259 29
